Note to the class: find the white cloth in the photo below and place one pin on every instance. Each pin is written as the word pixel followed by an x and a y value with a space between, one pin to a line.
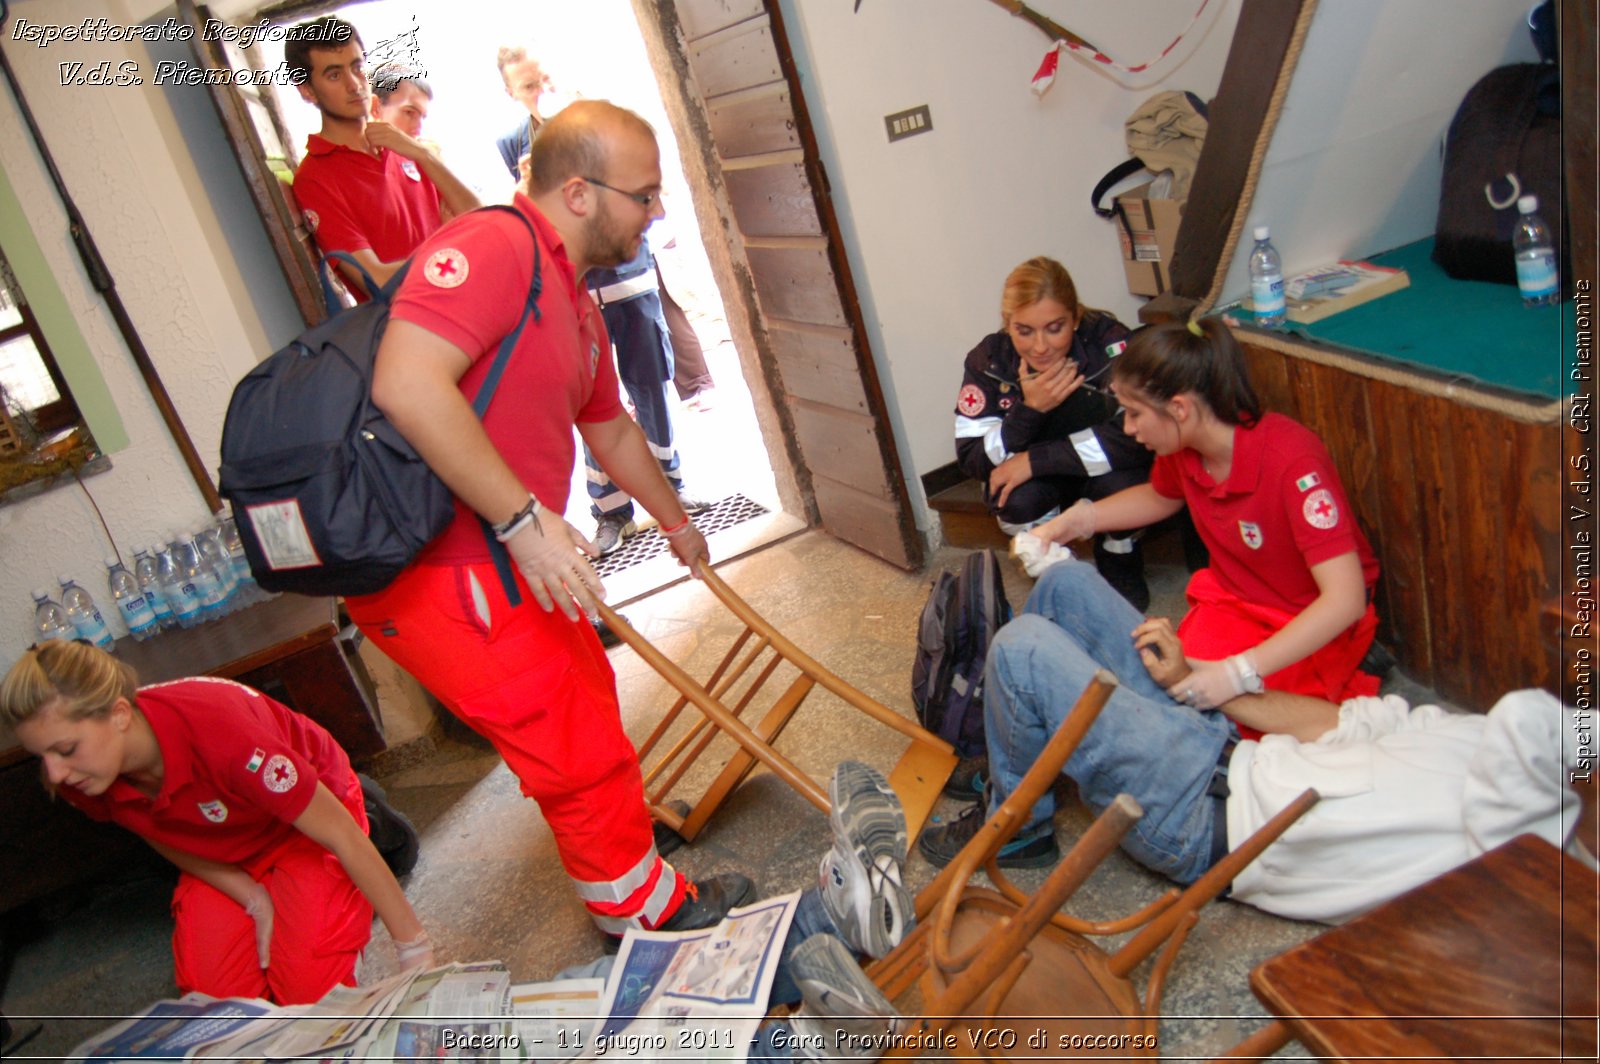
pixel 1407 794
pixel 1035 554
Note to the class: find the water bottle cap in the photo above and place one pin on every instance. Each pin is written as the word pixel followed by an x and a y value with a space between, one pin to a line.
pixel 63 579
pixel 1527 204
pixel 41 593
pixel 112 561
pixel 185 538
pixel 1262 232
pixel 157 548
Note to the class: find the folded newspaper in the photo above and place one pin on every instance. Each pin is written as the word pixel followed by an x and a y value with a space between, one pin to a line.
pixel 693 995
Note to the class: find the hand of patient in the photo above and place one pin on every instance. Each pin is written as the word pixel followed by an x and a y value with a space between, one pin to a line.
pixel 1159 649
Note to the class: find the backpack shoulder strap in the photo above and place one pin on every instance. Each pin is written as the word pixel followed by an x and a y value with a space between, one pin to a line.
pixel 530 308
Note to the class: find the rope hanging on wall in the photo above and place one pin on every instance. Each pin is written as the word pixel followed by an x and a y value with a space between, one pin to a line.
pixel 1066 40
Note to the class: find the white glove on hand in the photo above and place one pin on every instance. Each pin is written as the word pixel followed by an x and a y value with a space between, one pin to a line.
pixel 1210 685
pixel 258 905
pixel 1074 523
pixel 546 551
pixel 418 953
pixel 1037 555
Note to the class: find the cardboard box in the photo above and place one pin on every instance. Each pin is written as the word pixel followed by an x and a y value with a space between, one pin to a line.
pixel 1148 240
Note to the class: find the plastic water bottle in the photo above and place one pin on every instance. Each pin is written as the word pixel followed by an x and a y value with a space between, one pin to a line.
pixel 145 570
pixel 181 595
pixel 208 543
pixel 1538 276
pixel 1266 281
pixel 49 619
pixel 131 603
pixel 248 590
pixel 199 578
pixel 84 614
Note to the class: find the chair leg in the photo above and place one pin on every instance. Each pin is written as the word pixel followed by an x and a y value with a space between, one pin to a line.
pixel 1259 1046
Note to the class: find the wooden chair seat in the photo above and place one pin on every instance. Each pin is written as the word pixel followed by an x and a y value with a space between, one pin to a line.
pixel 733 691
pixel 980 956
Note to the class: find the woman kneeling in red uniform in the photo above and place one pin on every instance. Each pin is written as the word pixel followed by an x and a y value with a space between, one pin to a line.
pixel 256 805
pixel 1286 601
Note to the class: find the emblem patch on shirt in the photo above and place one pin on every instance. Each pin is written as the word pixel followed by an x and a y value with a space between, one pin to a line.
pixel 280 775
pixel 1320 510
pixel 970 402
pixel 311 220
pixel 215 812
pixel 1307 482
pixel 446 268
pixel 1250 532
pixel 256 758
pixel 409 168
pixel 1113 350
pixel 1007 403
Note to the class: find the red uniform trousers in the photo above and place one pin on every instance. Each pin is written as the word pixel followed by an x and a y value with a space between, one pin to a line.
pixel 1219 624
pixel 539 687
pixel 320 922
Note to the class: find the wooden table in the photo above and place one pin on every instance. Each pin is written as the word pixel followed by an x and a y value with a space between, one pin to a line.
pixel 1494 960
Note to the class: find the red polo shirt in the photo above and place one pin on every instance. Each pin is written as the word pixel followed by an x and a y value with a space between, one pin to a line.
pixel 354 201
pixel 1281 510
pixel 238 769
pixel 468 284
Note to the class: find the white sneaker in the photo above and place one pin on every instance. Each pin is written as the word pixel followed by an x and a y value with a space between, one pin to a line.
pixel 860 876
pixel 842 1014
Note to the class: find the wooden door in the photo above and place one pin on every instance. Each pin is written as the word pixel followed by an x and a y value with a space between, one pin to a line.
pixel 743 96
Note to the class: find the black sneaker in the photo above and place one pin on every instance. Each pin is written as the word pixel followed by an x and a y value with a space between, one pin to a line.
pixel 1124 572
pixel 608 638
pixel 968 779
pixel 940 843
pixel 707 901
pixel 668 840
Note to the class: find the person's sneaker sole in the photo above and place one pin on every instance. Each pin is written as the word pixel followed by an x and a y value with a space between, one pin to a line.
pixel 861 874
pixel 836 997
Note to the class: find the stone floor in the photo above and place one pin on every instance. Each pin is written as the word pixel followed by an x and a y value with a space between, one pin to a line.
pixel 488 884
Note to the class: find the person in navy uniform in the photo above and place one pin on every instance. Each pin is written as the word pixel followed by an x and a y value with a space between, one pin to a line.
pixel 1036 422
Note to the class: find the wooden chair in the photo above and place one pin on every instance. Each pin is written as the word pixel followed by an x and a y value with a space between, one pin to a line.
pixel 978 955
pixel 728 694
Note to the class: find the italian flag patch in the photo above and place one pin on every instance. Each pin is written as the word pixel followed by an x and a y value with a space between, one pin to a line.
pixel 1113 350
pixel 256 759
pixel 1307 482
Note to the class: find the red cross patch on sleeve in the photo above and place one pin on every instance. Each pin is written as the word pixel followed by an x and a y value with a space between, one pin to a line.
pixel 280 774
pixel 1320 510
pixel 971 401
pixel 445 268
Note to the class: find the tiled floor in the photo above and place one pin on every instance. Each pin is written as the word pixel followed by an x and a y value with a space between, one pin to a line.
pixel 488 884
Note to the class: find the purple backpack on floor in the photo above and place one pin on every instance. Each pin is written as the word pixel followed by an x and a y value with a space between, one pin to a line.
pixel 963 612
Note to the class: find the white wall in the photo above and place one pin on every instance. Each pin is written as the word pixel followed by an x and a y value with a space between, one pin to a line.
pixel 1355 162
pixel 933 223
pixel 174 232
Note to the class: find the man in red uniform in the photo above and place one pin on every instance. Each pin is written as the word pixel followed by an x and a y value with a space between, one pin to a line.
pixel 365 187
pixel 531 676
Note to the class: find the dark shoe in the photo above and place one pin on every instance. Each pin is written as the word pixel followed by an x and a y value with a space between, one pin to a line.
pixel 608 638
pixel 1124 572
pixel 392 835
pixel 707 901
pixel 612 531
pixel 668 840
pixel 968 779
pixel 940 843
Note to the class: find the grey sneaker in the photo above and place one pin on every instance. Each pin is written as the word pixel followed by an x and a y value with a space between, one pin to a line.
pixel 842 1014
pixel 860 875
pixel 692 503
pixel 612 531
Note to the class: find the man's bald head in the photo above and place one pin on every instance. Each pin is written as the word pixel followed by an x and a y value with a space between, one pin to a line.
pixel 581 142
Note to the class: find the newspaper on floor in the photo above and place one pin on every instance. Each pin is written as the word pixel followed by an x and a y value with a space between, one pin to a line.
pixel 174 1030
pixel 556 1020
pixel 459 1012
pixel 693 995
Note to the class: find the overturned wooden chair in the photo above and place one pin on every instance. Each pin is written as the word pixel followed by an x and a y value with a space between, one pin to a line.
pixel 978 955
pixel 731 691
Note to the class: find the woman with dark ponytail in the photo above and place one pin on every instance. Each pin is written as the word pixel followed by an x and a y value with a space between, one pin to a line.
pixel 1286 601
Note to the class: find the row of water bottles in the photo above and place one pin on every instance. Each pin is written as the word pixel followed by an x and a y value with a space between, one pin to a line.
pixel 198 577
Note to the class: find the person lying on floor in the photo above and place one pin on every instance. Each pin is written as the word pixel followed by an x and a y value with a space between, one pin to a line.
pixel 1408 793
pixel 860 906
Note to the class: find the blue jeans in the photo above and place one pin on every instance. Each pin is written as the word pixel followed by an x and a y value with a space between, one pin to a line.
pixel 644 364
pixel 1143 744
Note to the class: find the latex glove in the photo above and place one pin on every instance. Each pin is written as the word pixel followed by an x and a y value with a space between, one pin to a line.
pixel 258 905
pixel 1209 685
pixel 1074 523
pixel 688 544
pixel 546 552
pixel 1049 388
pixel 418 953
pixel 1008 476
pixel 1158 646
pixel 1037 555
